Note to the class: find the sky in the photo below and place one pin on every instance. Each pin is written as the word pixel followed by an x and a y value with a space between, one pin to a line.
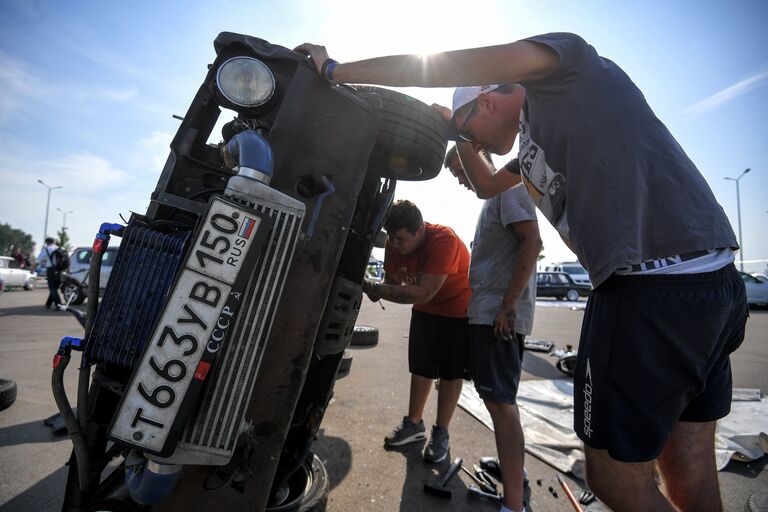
pixel 88 90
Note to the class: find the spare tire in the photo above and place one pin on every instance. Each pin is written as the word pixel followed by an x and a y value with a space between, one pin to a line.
pixel 345 365
pixel 8 391
pixel 306 490
pixel 411 142
pixel 365 336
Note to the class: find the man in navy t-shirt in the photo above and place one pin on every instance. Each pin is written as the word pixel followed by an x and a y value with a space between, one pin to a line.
pixel 653 373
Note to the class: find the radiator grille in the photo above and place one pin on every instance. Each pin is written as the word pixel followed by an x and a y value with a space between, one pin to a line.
pixel 211 436
pixel 141 276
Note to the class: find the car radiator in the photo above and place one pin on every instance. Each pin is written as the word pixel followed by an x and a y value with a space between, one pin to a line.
pixel 143 272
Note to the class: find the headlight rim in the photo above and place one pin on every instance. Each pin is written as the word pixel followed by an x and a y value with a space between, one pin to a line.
pixel 227 97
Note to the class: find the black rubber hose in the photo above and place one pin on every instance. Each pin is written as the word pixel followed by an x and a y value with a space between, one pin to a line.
pixel 70 421
pixel 84 377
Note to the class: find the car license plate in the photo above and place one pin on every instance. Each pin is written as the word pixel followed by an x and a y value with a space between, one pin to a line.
pixel 193 326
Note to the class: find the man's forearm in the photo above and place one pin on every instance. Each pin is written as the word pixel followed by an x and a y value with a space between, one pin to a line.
pixel 400 294
pixel 485 180
pixel 522 269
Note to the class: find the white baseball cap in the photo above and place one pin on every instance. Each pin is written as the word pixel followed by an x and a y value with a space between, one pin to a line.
pixel 461 97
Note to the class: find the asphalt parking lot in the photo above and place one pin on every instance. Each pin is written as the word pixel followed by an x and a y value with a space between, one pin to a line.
pixel 367 404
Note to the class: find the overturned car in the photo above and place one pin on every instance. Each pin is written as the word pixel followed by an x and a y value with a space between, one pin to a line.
pixel 209 362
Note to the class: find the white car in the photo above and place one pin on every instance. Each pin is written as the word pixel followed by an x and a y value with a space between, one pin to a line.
pixel 574 269
pixel 12 275
pixel 757 290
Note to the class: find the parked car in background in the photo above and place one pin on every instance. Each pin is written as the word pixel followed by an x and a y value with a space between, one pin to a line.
pixel 760 277
pixel 757 290
pixel 573 268
pixel 560 285
pixel 74 285
pixel 12 275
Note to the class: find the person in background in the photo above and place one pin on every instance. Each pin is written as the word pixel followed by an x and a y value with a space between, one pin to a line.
pixel 427 265
pixel 46 260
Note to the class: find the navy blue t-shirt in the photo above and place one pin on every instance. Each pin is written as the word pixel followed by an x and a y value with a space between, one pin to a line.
pixel 606 172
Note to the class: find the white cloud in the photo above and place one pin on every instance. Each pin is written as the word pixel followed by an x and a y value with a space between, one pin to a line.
pixel 728 94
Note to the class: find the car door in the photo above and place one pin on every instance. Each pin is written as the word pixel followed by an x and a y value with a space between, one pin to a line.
pixel 15 274
pixel 106 266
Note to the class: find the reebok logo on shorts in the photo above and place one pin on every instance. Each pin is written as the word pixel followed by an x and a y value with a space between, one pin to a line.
pixel 588 402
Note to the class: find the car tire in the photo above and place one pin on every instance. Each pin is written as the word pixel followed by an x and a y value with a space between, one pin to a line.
pixel 31 284
pixel 572 295
pixel 567 365
pixel 308 489
pixel 8 391
pixel 410 145
pixel 72 287
pixel 365 336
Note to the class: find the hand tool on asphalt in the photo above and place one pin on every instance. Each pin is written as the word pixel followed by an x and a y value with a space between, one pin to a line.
pixel 586 497
pixel 475 491
pixel 570 495
pixel 491 465
pixel 485 477
pixel 438 489
pixel 483 485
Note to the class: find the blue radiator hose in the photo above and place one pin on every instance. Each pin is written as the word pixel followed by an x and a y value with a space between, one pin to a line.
pixel 150 482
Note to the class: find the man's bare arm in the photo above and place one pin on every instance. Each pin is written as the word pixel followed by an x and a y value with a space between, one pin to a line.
pixel 417 293
pixel 507 63
pixel 523 267
pixel 485 181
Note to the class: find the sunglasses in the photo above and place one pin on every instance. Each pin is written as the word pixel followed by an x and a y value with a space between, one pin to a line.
pixel 462 129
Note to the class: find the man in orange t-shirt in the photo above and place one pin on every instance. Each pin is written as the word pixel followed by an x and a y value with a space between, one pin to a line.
pixel 427 265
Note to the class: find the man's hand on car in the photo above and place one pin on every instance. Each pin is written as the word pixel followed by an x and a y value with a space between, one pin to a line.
pixel 316 52
pixel 444 111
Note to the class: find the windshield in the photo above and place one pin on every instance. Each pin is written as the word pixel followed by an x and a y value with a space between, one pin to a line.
pixel 574 269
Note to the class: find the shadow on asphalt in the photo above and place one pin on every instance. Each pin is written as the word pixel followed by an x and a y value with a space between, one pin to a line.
pixel 32 311
pixel 336 454
pixel 38 496
pixel 26 433
pixel 541 366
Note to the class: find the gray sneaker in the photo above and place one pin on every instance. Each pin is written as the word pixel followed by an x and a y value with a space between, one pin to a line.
pixel 406 432
pixel 437 449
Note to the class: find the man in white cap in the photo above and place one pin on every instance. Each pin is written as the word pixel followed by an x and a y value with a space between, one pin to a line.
pixel 653 373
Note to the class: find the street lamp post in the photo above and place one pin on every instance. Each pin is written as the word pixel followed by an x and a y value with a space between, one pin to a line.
pixel 738 213
pixel 64 221
pixel 47 205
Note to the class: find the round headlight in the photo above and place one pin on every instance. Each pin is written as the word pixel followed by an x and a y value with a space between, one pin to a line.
pixel 245 81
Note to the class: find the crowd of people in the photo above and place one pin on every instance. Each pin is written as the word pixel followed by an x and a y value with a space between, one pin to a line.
pixel 653 375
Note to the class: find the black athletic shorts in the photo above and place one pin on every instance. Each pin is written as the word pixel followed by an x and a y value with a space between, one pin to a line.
pixel 495 364
pixel 655 349
pixel 437 346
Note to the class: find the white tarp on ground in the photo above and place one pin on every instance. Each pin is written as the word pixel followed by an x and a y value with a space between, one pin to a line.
pixel 546 411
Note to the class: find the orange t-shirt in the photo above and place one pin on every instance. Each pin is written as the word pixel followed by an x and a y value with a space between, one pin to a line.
pixel 441 253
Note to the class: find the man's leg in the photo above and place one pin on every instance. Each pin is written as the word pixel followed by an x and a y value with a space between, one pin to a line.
pixel 52 293
pixel 510 445
pixel 448 393
pixel 420 387
pixel 625 486
pixel 687 464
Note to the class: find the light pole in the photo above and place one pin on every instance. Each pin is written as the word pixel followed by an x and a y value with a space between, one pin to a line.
pixel 47 205
pixel 64 222
pixel 738 210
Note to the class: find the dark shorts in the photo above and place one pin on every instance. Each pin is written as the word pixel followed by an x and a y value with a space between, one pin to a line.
pixel 495 364
pixel 437 346
pixel 654 350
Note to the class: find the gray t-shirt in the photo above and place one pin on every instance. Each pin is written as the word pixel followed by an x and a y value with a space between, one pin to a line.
pixel 494 250
pixel 587 133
